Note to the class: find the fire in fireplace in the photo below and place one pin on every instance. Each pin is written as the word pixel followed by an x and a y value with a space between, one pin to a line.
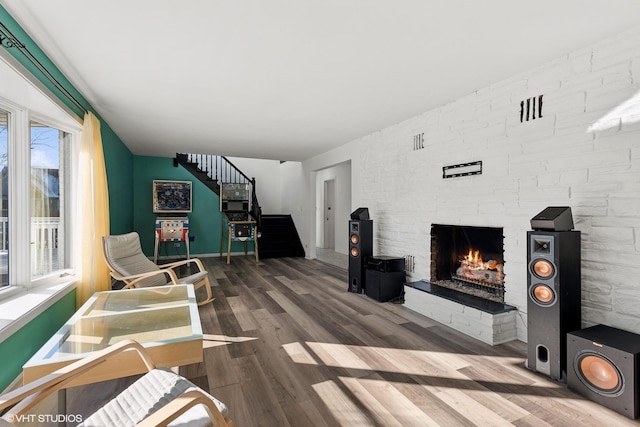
pixel 468 259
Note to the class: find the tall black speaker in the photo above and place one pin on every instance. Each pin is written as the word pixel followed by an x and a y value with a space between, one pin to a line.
pixel 360 247
pixel 554 299
pixel 385 277
pixel 603 366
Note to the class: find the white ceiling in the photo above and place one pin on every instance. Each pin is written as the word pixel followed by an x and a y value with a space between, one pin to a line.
pixel 289 79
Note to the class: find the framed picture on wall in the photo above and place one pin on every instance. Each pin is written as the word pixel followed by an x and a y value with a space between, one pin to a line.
pixel 171 196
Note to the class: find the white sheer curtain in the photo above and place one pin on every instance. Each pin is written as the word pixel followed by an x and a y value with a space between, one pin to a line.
pixel 93 199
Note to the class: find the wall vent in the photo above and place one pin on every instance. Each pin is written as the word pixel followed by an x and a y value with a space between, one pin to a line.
pixel 531 109
pixel 409 263
pixel 418 141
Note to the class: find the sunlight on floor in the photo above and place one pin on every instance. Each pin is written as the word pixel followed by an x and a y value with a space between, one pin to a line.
pixel 209 341
pixel 341 405
pixel 372 384
pixel 398 409
pixel 299 354
pixel 364 360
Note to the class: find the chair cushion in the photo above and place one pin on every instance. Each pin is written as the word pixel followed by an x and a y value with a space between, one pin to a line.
pixel 148 394
pixel 126 257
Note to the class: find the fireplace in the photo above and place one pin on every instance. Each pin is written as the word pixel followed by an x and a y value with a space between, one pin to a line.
pixel 466 287
pixel 468 259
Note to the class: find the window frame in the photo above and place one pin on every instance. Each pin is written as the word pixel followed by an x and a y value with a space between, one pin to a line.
pixel 25 97
pixel 19 187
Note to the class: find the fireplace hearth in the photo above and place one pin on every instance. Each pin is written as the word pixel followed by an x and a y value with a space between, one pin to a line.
pixel 466 287
pixel 468 259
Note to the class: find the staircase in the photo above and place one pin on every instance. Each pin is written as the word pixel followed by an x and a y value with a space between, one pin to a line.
pixel 277 234
pixel 215 170
pixel 279 237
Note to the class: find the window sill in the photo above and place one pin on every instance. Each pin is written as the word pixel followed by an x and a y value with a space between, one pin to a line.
pixel 23 305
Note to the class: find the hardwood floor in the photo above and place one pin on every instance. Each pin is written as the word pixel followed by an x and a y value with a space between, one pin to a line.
pixel 286 345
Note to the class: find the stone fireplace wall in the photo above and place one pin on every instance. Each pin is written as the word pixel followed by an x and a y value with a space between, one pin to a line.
pixel 584 152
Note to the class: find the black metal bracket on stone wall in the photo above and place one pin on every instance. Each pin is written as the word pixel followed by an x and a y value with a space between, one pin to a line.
pixel 463 169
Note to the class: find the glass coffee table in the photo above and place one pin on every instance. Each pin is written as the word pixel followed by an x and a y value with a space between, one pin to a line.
pixel 163 319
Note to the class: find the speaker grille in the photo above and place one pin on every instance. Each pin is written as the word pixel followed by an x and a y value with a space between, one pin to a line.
pixel 542 295
pixel 599 374
pixel 542 269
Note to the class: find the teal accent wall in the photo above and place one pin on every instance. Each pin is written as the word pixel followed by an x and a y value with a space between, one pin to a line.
pixel 205 222
pixel 16 350
pixel 118 158
pixel 118 162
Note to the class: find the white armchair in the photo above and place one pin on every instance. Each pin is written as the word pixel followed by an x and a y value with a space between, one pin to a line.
pixel 126 261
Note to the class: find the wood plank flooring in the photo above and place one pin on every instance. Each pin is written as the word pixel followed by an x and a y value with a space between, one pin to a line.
pixel 287 345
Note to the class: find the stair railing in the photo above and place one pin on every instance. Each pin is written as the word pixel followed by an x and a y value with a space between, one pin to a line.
pixel 223 171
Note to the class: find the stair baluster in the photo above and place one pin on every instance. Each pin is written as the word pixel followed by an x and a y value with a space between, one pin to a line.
pixel 219 170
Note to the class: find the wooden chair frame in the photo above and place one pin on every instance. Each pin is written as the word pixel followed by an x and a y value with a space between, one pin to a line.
pixel 132 281
pixel 21 400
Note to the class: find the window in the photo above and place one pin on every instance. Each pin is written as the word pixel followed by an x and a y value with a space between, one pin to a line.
pixel 35 243
pixel 39 140
pixel 47 197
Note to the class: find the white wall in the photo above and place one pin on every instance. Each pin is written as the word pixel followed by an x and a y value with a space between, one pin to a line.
pixel 267 175
pixel 295 184
pixel 569 157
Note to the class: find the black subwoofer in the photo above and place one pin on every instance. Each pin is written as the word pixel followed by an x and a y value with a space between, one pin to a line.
pixel 553 303
pixel 603 366
pixel 385 277
pixel 360 247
